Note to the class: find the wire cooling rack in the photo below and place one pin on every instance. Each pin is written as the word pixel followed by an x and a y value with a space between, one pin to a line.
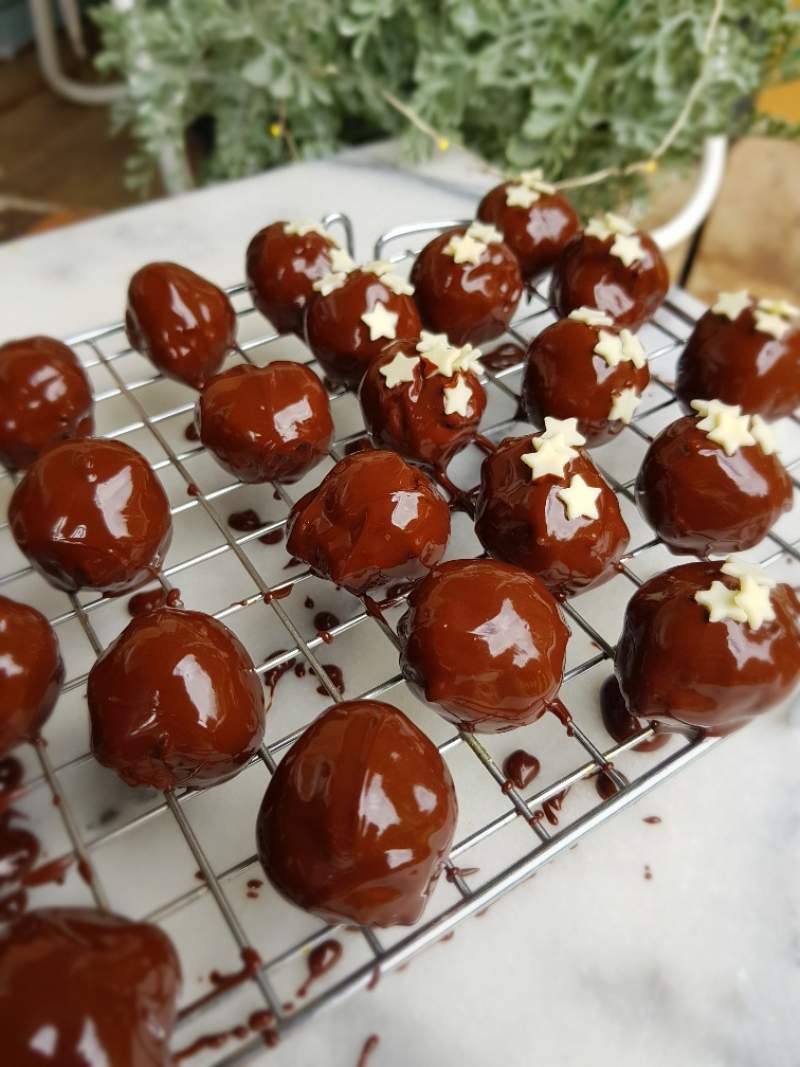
pixel 186 861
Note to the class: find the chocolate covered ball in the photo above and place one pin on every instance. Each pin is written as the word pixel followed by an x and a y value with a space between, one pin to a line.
pixel 374 519
pixel 744 351
pixel 175 702
pixel 31 672
pixel 92 515
pixel 584 367
pixel 712 482
pixel 710 645
pixel 86 988
pixel 535 221
pixel 423 400
pixel 181 321
pixel 358 819
pixel 485 642
pixel 268 423
pixel 352 316
pixel 543 505
pixel 467 284
pixel 613 267
pixel 44 398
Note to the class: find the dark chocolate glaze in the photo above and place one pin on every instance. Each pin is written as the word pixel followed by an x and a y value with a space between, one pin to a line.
pixel 175 701
pixel 619 722
pixel 484 641
pixel 269 423
pixel 31 672
pixel 281 270
pixel 358 819
pixel 469 302
pixel 700 500
pixel 409 418
pixel 92 515
pixel 336 333
pixel 184 323
pixel 521 767
pixel 85 988
pixel 732 361
pixel 374 519
pixel 522 521
pixel 587 275
pixel 565 378
pixel 536 235
pixel 44 398
pixel 673 663
pixel 506 354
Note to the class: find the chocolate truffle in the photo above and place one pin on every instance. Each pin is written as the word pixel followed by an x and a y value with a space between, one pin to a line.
pixel 92 515
pixel 543 505
pixel 745 352
pixel 184 323
pixel 374 519
pixel 485 642
pixel 359 817
pixel 712 483
pixel 283 261
pixel 85 988
pixel 268 423
pixel 175 701
pixel 44 398
pixel 467 283
pixel 425 400
pixel 710 645
pixel 31 672
pixel 613 267
pixel 352 315
pixel 586 368
pixel 535 221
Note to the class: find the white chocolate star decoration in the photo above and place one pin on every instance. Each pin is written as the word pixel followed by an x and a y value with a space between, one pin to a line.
pixel 464 249
pixel 782 308
pixel 724 424
pixel 566 428
pixel 301 227
pixel 739 567
pixel 381 321
pixel 731 305
pixel 532 179
pixel 618 348
pixel 341 263
pixel 764 435
pixel 628 249
pixel 720 603
pixel 330 282
pixel 521 196
pixel 579 499
pixel 754 600
pixel 623 405
pixel 436 348
pixel 551 456
pixel 385 272
pixel 457 397
pixel 379 266
pixel 469 358
pixel 483 231
pixel 773 325
pixel 591 316
pixel 399 370
pixel 609 224
pixel 749 603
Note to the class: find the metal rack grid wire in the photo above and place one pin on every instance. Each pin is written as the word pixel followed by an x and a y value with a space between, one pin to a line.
pixel 104 350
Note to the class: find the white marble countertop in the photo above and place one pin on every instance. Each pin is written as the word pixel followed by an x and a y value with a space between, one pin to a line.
pixel 589 963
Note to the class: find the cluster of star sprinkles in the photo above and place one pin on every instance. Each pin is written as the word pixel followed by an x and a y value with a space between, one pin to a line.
pixel 382 322
pixel 773 317
pixel 615 348
pixel 726 426
pixel 468 247
pixel 553 450
pixel 626 245
pixel 749 603
pixel 525 190
pixel 447 360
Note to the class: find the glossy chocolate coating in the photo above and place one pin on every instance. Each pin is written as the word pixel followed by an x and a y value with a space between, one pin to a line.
pixel 536 235
pixel 281 270
pixel 522 521
pixel 469 302
pixel 268 423
pixel 410 417
pixel 31 672
pixel 700 500
pixel 175 701
pixel 734 362
pixel 673 663
pixel 587 275
pixel 184 323
pixel 485 642
pixel 83 988
pixel 336 333
pixel 358 819
pixel 92 515
pixel 565 378
pixel 374 519
pixel 44 398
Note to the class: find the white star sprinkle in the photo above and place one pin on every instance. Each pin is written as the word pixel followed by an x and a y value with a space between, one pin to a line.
pixel 580 499
pixel 399 370
pixel 712 409
pixel 301 227
pixel 457 397
pixel 521 196
pixel 464 249
pixel 623 405
pixel 566 428
pixel 724 424
pixel 731 305
pixel 739 567
pixel 609 346
pixel 627 248
pixel 749 603
pixel 720 603
pixel 436 348
pixel 379 266
pixel 609 224
pixel 773 325
pixel 591 316
pixel 764 435
pixel 483 231
pixel 782 308
pixel 754 600
pixel 330 282
pixel 385 271
pixel 632 348
pixel 533 180
pixel 381 321
pixel 469 358
pixel 341 263
pixel 551 456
